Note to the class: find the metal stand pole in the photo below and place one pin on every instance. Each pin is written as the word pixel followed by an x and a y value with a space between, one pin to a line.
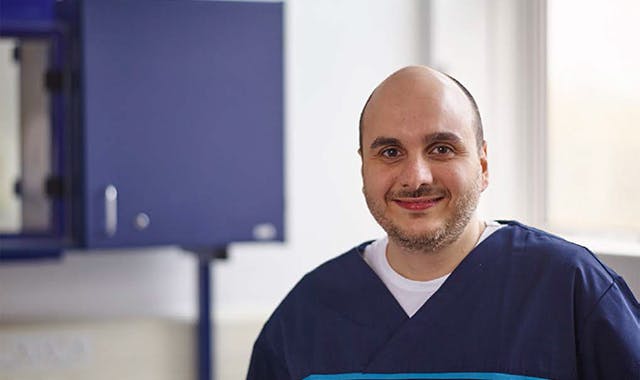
pixel 205 331
pixel 205 321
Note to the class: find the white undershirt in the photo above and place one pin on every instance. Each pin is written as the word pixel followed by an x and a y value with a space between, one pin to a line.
pixel 410 294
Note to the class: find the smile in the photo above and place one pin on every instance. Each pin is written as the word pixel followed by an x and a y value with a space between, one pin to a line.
pixel 417 204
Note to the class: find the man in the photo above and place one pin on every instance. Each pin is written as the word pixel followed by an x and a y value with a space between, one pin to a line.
pixel 446 295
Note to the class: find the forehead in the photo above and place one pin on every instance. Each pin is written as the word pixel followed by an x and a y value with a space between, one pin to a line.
pixel 412 107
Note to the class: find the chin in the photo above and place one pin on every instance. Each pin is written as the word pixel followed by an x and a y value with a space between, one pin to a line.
pixel 418 226
pixel 421 223
pixel 431 231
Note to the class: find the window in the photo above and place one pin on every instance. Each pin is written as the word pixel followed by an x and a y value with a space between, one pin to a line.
pixel 593 115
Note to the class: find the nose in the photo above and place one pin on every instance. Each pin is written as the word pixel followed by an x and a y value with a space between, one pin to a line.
pixel 415 173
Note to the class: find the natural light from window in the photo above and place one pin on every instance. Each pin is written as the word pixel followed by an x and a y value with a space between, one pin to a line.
pixel 594 115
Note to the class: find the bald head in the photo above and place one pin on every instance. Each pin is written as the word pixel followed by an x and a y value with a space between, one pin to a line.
pixel 421 81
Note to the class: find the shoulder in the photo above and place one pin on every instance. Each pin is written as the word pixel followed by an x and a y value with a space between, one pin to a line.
pixel 537 245
pixel 332 274
pixel 322 285
pixel 318 296
pixel 563 266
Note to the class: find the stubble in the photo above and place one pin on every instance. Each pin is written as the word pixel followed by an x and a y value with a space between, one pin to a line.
pixel 448 232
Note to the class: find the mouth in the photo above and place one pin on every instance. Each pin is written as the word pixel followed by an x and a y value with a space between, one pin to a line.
pixel 417 204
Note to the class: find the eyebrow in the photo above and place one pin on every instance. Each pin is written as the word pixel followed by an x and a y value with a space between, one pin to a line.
pixel 382 141
pixel 428 139
pixel 443 137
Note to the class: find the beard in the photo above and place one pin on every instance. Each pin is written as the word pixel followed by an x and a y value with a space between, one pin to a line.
pixel 433 240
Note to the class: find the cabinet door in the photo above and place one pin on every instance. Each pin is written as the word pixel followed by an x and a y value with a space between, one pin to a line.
pixel 183 116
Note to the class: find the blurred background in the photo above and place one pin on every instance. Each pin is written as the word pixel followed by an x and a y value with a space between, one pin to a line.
pixel 557 86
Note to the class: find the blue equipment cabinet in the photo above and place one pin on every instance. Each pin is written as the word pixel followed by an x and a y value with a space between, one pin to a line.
pixel 173 124
pixel 182 115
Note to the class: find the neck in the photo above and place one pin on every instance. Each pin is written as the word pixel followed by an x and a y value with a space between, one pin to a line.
pixel 425 266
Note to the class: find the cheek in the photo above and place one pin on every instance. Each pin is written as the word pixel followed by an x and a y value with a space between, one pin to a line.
pixel 377 183
pixel 457 178
pixel 448 175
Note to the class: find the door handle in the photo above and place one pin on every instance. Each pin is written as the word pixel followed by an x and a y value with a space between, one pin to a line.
pixel 111 210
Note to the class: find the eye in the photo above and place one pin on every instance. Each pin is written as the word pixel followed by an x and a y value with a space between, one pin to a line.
pixel 442 150
pixel 390 153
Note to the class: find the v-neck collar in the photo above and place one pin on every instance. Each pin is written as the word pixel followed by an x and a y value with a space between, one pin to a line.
pixel 464 277
pixel 371 302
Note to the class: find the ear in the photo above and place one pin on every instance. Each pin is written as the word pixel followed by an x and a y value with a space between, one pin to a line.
pixel 361 167
pixel 484 165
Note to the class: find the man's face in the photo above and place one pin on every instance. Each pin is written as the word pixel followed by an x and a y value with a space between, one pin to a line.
pixel 421 167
